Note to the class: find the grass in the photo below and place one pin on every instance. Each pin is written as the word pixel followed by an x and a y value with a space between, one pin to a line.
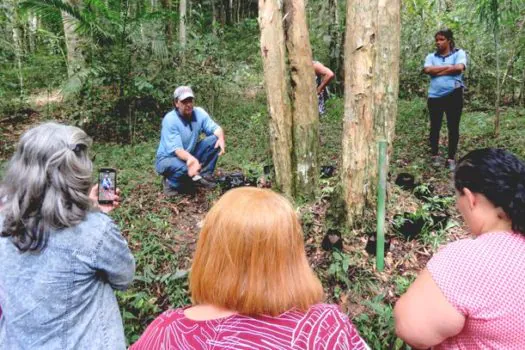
pixel 162 232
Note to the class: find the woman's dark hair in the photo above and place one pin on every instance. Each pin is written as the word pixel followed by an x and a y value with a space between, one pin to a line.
pixel 447 33
pixel 498 175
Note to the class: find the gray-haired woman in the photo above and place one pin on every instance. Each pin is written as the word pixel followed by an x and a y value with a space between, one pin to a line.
pixel 61 257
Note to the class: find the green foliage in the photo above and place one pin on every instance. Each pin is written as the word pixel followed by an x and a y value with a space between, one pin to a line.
pixel 377 325
pixel 339 268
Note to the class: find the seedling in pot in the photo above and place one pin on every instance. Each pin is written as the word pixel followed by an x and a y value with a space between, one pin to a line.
pixel 327 171
pixel 332 240
pixel 439 219
pixel 371 243
pixel 424 192
pixel 405 181
pixel 409 225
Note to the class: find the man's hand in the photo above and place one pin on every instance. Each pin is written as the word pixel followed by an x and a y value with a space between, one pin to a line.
pixel 220 143
pixel 193 166
pixel 105 208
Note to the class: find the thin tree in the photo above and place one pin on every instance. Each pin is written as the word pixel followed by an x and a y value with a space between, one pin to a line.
pixel 386 78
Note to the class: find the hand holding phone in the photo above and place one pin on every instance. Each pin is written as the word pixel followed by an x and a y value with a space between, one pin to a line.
pixel 107 185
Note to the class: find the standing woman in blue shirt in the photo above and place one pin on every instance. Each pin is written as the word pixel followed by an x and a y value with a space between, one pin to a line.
pixel 445 94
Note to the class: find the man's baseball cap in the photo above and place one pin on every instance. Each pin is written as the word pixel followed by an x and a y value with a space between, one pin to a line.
pixel 183 92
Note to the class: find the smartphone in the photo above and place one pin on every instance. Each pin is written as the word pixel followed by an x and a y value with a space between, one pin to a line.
pixel 107 185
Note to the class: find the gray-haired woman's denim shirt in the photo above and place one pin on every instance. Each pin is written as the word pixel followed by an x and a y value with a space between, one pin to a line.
pixel 62 297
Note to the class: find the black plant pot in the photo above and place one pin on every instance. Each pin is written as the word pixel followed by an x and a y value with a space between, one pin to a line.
pixel 439 219
pixel 332 240
pixel 327 171
pixel 411 227
pixel 424 194
pixel 371 244
pixel 405 181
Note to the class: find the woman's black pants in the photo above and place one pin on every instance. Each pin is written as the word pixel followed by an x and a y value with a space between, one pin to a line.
pixel 451 105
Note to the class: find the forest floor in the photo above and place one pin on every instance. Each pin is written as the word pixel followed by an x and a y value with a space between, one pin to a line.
pixel 162 232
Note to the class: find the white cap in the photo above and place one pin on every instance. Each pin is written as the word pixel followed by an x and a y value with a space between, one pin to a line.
pixel 183 92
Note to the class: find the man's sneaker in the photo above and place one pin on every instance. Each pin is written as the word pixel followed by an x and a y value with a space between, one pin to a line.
pixel 436 161
pixel 167 189
pixel 451 164
pixel 204 182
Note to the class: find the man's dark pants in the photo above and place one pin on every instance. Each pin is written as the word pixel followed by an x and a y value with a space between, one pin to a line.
pixel 176 171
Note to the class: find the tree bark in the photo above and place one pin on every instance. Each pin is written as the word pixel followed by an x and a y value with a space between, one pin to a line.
pixel 358 125
pixel 75 58
pixel 386 77
pixel 182 24
pixel 498 83
pixel 305 113
pixel 273 59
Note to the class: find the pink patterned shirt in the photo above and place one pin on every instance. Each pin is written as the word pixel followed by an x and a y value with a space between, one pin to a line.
pixel 484 279
pixel 322 327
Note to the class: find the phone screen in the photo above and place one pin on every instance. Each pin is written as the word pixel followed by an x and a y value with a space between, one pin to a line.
pixel 107 184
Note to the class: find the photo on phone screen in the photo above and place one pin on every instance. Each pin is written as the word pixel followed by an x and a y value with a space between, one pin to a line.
pixel 107 184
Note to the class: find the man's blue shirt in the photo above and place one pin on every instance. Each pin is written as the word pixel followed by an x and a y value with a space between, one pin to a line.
pixel 445 84
pixel 178 133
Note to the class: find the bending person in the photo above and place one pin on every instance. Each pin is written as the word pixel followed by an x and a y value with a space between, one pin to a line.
pixel 251 285
pixel 445 94
pixel 324 76
pixel 62 258
pixel 469 295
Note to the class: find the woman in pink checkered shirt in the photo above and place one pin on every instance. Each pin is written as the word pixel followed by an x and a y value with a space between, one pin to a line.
pixel 470 295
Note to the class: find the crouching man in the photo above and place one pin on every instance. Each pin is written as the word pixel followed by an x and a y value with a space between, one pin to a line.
pixel 185 161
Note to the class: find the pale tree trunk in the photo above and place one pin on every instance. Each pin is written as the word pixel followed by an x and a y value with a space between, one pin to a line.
pixel 521 100
pixel 75 58
pixel 12 19
pixel 182 23
pixel 305 111
pixel 498 83
pixel 273 59
pixel 33 27
pixel 214 17
pixel 358 125
pixel 386 77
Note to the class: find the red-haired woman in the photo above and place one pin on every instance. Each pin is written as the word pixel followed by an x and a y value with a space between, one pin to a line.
pixel 251 285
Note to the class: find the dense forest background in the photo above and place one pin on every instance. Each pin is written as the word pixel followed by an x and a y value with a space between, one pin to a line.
pixel 110 67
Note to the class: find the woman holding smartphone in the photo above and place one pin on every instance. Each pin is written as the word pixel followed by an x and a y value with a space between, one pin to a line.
pixel 62 258
pixel 445 93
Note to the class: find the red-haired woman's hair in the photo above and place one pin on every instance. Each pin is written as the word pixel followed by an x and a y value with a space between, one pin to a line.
pixel 250 256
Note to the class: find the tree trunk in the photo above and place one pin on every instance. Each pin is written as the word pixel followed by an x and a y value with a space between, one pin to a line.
pixel 334 46
pixel 498 82
pixel 168 27
pixel 273 59
pixel 305 113
pixel 75 58
pixel 33 27
pixel 12 20
pixel 521 100
pixel 214 16
pixel 386 77
pixel 182 24
pixel 358 124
